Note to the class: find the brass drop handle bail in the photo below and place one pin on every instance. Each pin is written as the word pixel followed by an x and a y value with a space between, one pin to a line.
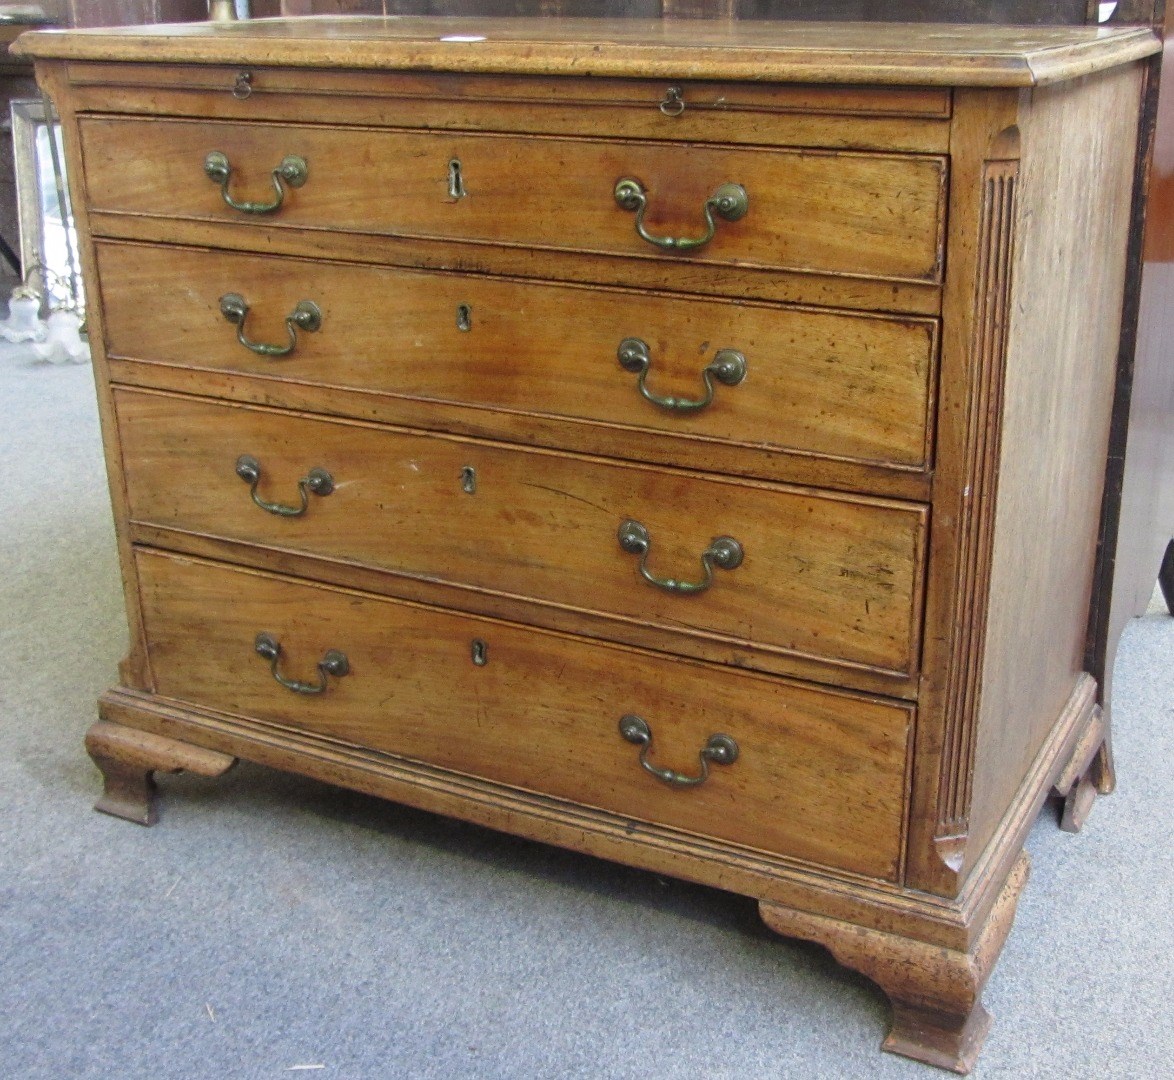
pixel 306 316
pixel 333 663
pixel 316 481
pixel 723 552
pixel 673 102
pixel 728 367
pixel 720 749
pixel 291 172
pixel 730 203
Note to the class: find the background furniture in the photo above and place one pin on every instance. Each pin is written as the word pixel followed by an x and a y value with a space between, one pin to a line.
pixel 16 80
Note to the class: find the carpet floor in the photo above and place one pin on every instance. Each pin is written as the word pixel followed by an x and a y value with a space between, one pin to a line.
pixel 272 926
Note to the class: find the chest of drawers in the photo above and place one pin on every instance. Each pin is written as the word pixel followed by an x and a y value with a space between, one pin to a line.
pixel 679 443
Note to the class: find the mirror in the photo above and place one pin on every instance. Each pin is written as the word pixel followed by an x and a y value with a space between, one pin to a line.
pixel 48 240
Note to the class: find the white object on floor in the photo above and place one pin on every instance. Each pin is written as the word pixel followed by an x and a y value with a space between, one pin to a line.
pixel 63 345
pixel 23 322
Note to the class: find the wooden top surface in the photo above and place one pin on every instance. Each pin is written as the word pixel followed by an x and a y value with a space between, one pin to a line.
pixel 887 53
pixel 11 27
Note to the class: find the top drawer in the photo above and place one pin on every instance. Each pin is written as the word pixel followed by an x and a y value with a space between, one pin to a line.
pixel 908 119
pixel 862 215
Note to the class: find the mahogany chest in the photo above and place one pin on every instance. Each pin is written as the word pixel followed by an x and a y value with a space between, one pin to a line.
pixel 678 442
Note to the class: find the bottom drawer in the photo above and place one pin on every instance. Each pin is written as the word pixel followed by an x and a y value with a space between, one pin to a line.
pixel 819 775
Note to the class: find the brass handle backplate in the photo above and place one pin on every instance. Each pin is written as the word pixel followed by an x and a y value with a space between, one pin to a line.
pixel 333 663
pixel 316 481
pixel 730 203
pixel 292 172
pixel 727 367
pixel 723 552
pixel 305 316
pixel 720 749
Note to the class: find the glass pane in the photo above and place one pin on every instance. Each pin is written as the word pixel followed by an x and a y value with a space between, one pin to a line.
pixel 56 251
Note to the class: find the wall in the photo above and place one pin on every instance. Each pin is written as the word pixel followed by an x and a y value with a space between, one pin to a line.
pixel 123 12
pixel 997 11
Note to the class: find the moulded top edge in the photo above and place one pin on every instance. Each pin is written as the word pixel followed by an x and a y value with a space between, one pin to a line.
pixel 908 54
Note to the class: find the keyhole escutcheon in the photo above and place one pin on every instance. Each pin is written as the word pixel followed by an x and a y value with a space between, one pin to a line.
pixel 456 180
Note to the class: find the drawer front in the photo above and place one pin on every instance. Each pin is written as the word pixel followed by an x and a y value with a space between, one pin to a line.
pixel 831 384
pixel 819 776
pixel 828 577
pixel 760 114
pixel 873 215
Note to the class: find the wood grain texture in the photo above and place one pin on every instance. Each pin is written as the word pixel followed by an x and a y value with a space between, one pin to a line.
pixel 1011 684
pixel 654 272
pixel 1088 774
pixel 992 293
pixel 866 215
pixel 608 627
pixel 127 759
pixel 133 669
pixel 11 65
pixel 834 578
pixel 984 137
pixel 936 993
pixel 723 49
pixel 826 384
pixel 1077 723
pixel 834 117
pixel 728 460
pixel 270 89
pixel 820 776
pixel 904 858
pixel 1060 375
pixel 867 902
